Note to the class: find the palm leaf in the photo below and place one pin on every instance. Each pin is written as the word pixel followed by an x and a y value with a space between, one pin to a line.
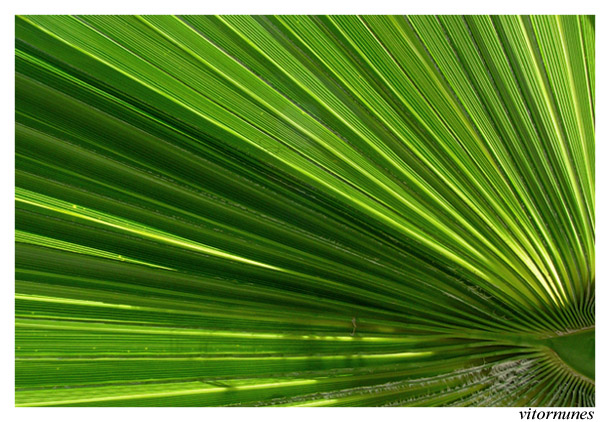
pixel 305 211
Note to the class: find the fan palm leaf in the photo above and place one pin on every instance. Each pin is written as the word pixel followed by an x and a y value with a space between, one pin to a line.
pixel 305 211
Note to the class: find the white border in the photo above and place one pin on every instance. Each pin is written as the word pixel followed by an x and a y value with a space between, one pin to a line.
pixel 7 24
pixel 262 7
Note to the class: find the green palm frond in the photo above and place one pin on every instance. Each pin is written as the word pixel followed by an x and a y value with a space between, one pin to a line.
pixel 305 211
